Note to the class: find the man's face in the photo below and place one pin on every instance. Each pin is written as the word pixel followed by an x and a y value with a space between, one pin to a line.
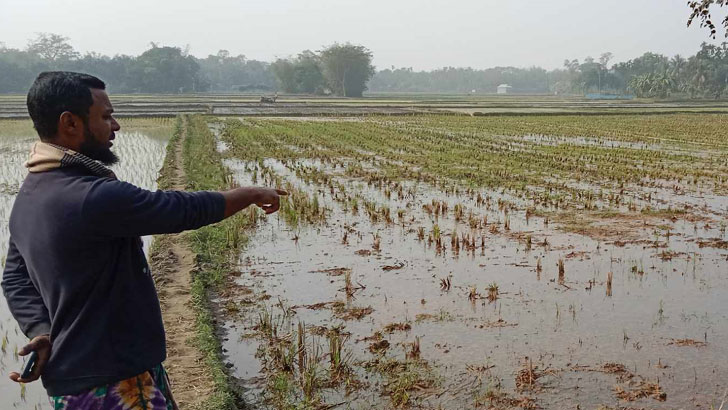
pixel 100 130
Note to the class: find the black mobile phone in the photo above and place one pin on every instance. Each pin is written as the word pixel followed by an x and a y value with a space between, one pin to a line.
pixel 29 365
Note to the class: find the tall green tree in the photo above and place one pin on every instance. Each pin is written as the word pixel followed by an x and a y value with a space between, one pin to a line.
pixel 226 72
pixel 284 71
pixel 167 70
pixel 347 68
pixel 52 47
pixel 307 73
pixel 658 85
pixel 710 71
pixel 301 74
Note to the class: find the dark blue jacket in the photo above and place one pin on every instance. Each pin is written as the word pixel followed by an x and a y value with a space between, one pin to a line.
pixel 75 269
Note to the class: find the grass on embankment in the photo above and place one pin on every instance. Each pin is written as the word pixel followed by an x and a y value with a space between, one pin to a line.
pixel 215 246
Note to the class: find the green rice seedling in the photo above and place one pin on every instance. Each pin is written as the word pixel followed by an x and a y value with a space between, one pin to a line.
pixel 404 379
pixel 338 358
pixel 316 208
pixel 288 211
pixel 310 380
pixel 637 270
pixel 660 314
pixel 414 351
pixel 252 218
pixel 400 214
pixel 301 346
pixel 266 324
pixel 284 356
pixel 444 316
pixel 473 294
pixel 445 283
pixel 493 292
pixel 386 214
pixel 433 208
pixel 473 221
pixel 377 243
pixel 436 232
pixel 349 285
pixel 428 209
pixel 609 283
pixel 479 200
pixel 459 210
pixel 572 310
pixel 421 233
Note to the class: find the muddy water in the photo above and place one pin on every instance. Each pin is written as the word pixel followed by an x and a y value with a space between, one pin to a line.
pixel 141 154
pixel 665 289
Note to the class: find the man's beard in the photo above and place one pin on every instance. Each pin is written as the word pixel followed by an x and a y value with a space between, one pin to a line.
pixel 93 149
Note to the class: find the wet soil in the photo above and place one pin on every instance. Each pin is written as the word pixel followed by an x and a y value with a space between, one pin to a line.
pixel 542 338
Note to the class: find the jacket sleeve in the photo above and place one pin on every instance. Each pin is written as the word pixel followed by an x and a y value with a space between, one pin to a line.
pixel 24 300
pixel 119 209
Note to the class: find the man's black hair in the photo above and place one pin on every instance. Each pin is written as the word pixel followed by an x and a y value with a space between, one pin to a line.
pixel 54 92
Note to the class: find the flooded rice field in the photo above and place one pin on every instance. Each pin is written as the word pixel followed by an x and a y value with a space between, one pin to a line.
pixel 141 146
pixel 442 262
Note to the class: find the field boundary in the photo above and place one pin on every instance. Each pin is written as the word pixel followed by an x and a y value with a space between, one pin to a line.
pixel 185 283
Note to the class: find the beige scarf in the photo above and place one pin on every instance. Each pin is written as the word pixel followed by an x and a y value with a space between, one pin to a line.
pixel 46 157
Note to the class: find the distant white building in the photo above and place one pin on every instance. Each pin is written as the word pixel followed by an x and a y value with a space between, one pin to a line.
pixel 504 89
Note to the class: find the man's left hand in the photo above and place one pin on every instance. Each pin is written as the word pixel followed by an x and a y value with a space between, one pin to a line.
pixel 42 345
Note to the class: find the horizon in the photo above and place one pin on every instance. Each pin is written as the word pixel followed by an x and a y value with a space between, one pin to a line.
pixel 400 44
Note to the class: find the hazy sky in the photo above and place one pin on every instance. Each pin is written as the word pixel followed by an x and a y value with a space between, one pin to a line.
pixel 423 34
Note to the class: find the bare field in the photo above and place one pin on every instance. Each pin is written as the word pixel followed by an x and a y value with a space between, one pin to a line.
pixel 498 262
pixel 13 106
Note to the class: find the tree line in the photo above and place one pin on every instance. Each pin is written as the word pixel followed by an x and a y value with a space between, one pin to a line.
pixel 160 69
pixel 340 69
pixel 704 75
pixel 346 70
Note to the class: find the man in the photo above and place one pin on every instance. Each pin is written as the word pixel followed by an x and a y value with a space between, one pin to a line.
pixel 76 278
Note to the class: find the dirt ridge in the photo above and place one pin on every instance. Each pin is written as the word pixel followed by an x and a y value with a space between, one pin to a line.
pixel 174 265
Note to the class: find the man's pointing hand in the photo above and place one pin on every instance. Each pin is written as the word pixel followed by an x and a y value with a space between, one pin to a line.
pixel 267 199
pixel 270 199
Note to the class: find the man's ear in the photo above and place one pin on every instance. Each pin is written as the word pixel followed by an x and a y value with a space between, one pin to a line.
pixel 69 124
